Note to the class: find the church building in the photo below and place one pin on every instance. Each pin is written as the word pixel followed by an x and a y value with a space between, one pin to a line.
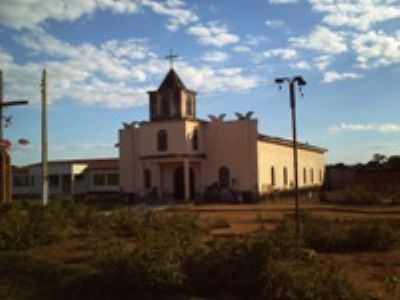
pixel 179 156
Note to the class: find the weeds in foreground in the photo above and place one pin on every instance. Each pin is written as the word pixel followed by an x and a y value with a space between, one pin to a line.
pixel 172 258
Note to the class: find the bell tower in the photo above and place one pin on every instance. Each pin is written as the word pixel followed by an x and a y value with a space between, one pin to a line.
pixel 172 100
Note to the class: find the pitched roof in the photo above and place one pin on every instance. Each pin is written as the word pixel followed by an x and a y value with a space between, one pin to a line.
pixel 172 81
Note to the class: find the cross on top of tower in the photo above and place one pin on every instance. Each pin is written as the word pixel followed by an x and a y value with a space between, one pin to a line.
pixel 171 57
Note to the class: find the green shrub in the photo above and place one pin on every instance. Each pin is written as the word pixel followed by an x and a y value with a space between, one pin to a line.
pixel 255 268
pixel 23 277
pixel 231 267
pixel 328 236
pixel 352 196
pixel 294 279
pixel 21 229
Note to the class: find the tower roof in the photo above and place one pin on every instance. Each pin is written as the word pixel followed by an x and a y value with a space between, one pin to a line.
pixel 172 81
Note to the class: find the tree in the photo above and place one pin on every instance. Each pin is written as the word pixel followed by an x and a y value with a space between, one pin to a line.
pixel 378 158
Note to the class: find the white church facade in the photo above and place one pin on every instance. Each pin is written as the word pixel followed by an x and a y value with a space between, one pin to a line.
pixel 176 155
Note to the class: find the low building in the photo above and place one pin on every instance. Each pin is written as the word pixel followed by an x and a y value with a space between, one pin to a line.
pixel 68 178
pixel 177 155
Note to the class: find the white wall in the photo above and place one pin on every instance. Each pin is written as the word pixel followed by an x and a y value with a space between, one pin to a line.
pixel 232 144
pixel 280 156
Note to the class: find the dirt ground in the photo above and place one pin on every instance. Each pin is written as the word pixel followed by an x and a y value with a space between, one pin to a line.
pixel 244 219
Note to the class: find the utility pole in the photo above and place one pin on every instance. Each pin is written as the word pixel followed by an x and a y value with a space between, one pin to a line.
pixel 5 169
pixel 45 175
pixel 5 104
pixel 293 82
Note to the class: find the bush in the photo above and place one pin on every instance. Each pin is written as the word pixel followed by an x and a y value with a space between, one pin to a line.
pixel 224 268
pixel 257 268
pixel 352 196
pixel 328 236
pixel 23 228
pixel 169 259
pixel 294 279
pixel 138 274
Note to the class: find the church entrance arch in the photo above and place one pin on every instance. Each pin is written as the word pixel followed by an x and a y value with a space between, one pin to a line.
pixel 179 183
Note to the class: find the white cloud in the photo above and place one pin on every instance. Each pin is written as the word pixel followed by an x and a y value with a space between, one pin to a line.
pixel 358 14
pixel 114 74
pixel 215 56
pixel 382 128
pixel 283 1
pixel 301 65
pixel 275 23
pixel 230 71
pixel 322 62
pixel 30 14
pixel 213 33
pixel 175 9
pixel 20 14
pixel 332 76
pixel 283 53
pixel 254 40
pixel 321 39
pixel 207 80
pixel 376 49
pixel 242 49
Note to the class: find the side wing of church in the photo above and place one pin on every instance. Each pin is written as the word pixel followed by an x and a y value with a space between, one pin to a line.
pixel 178 156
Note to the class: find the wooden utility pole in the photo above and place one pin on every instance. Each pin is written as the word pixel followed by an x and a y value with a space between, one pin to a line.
pixel 45 175
pixel 5 166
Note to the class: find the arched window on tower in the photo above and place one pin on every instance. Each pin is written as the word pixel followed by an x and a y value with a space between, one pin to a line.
pixel 304 176
pixel 224 177
pixel 195 140
pixel 162 140
pixel 165 107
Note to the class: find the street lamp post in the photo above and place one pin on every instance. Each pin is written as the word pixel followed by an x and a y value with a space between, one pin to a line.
pixel 293 82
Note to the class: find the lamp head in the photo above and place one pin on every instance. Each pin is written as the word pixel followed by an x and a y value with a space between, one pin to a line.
pixel 280 80
pixel 300 80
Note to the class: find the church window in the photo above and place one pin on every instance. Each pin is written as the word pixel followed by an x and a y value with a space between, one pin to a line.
pixel 273 179
pixel 162 140
pixel 195 140
pixel 285 176
pixel 224 177
pixel 189 106
pixel 165 107
pixel 312 176
pixel 147 179
pixel 304 176
pixel 320 175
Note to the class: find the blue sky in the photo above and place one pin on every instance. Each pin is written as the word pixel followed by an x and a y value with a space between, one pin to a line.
pixel 103 55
